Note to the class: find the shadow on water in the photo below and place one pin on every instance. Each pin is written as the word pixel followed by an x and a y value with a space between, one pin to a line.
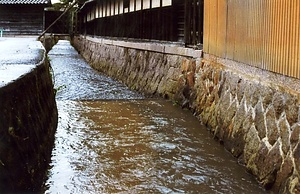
pixel 113 140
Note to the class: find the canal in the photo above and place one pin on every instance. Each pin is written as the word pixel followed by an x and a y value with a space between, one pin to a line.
pixel 113 140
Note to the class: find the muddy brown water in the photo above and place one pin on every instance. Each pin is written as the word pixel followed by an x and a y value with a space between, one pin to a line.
pixel 113 140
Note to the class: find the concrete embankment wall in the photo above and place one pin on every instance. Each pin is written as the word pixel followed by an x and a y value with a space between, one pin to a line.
pixel 28 120
pixel 254 113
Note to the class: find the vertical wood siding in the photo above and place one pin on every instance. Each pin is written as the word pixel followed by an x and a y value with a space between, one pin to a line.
pixel 120 18
pixel 21 19
pixel 61 26
pixel 193 22
pixel 170 20
pixel 262 33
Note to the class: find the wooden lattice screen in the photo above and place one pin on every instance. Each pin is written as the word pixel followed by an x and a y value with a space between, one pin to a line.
pixel 262 33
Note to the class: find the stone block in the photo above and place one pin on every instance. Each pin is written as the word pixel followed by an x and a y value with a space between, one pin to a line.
pixel 272 129
pixel 28 117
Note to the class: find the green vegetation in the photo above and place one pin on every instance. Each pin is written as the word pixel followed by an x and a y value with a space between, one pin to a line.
pixel 59 88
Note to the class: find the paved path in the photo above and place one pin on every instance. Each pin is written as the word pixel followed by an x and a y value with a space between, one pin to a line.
pixel 18 56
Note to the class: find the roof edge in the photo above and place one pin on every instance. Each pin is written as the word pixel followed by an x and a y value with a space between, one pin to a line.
pixel 25 2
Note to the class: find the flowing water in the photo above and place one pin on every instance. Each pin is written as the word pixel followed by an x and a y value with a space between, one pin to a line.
pixel 113 140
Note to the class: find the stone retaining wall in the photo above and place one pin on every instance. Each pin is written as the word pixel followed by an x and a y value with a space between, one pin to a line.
pixel 28 120
pixel 49 40
pixel 254 113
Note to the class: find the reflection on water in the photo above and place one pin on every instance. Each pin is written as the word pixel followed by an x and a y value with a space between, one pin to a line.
pixel 137 147
pixel 111 140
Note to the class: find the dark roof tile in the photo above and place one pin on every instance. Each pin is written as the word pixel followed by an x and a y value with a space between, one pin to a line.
pixel 23 2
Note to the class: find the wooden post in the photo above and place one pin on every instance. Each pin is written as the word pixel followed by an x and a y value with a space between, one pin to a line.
pixel 200 19
pixel 187 22
pixel 194 19
pixel 151 21
pixel 74 3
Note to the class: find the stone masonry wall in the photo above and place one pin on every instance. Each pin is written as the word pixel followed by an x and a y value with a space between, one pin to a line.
pixel 28 120
pixel 256 120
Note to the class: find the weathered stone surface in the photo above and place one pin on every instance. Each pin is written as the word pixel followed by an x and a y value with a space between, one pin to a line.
pixel 267 95
pixel 28 121
pixel 240 116
pixel 295 135
pixel 252 143
pixel 284 131
pixel 294 184
pixel 268 163
pixel 292 110
pixel 256 121
pixel 296 155
pixel 272 129
pixel 283 174
pixel 278 104
pixel 260 119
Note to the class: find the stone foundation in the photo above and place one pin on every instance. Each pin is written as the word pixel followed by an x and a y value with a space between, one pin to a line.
pixel 28 121
pixel 49 40
pixel 254 113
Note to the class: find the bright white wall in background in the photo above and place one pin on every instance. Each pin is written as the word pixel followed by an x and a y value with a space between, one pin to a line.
pixel 167 2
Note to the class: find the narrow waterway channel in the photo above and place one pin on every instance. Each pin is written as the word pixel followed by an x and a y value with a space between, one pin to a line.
pixel 113 140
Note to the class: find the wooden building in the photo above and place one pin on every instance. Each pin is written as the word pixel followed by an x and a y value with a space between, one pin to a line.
pixel 61 26
pixel 22 17
pixel 260 33
pixel 167 20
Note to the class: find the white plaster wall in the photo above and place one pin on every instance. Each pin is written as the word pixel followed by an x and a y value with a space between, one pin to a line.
pixel 112 8
pixel 97 11
pixel 155 3
pixel 117 7
pixel 166 3
pixel 100 11
pixel 108 9
pixel 146 4
pixel 131 6
pixel 138 5
pixel 121 6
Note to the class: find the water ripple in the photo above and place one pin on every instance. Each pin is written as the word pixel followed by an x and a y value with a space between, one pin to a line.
pixel 111 140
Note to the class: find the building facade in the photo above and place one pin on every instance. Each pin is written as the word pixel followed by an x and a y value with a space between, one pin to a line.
pixel 244 86
pixel 166 20
pixel 22 17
